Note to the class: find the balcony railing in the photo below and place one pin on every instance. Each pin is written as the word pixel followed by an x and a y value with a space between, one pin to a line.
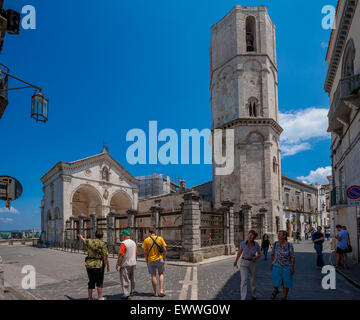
pixel 346 87
pixel 338 196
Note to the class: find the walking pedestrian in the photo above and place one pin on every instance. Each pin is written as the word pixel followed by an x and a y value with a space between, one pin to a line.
pixel 127 264
pixel 249 252
pixel 318 239
pixel 306 233
pixel 155 256
pixel 342 245
pixel 95 263
pixel 298 236
pixel 282 265
pixel 265 244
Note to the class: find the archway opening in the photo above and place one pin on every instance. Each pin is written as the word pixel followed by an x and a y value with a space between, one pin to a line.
pixel 120 203
pixel 86 201
pixel 250 34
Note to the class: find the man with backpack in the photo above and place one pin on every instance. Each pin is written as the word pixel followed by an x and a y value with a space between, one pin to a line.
pixel 155 255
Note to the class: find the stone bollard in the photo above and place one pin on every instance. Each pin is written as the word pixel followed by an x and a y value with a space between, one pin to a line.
pixel 2 289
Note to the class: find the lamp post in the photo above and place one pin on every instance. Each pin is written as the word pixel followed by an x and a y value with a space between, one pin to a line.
pixel 39 104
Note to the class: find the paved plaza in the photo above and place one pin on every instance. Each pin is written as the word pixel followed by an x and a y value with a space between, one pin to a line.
pixel 62 276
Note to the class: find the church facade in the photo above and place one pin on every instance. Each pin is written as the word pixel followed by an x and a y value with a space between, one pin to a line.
pixel 97 184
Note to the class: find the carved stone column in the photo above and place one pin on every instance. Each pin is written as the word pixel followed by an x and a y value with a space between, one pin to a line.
pixel 93 225
pixel 264 221
pixel 131 224
pixel 110 229
pixel 191 228
pixel 155 216
pixel 229 227
pixel 246 209
pixel 81 230
pixel 72 231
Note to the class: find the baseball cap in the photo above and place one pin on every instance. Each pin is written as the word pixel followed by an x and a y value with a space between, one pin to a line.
pixel 125 233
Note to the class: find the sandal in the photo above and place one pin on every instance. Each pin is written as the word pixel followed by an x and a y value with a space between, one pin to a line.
pixel 162 294
pixel 274 294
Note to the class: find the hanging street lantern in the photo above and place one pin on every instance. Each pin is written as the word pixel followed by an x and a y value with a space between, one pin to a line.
pixel 39 104
pixel 39 107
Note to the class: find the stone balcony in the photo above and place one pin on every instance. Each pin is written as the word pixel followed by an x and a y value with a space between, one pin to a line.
pixel 346 99
pixel 338 197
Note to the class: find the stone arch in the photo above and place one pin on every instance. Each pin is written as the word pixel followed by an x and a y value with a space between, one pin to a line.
pixel 120 202
pixel 348 60
pixel 85 200
pixel 250 27
pixel 252 65
pixel 255 165
pixel 225 72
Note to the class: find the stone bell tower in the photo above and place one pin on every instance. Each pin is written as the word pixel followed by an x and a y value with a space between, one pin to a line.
pixel 244 97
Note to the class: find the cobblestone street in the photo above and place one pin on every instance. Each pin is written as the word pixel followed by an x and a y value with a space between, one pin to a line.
pixel 61 276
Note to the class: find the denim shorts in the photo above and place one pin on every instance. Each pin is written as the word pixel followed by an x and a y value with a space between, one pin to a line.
pixel 158 265
pixel 282 275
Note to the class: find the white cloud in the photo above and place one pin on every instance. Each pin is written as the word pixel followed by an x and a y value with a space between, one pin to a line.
pixel 6 220
pixel 11 210
pixel 300 127
pixel 317 176
pixel 291 149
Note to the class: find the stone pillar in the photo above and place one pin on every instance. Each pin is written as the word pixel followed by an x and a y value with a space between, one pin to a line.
pixel 2 289
pixel 246 209
pixel 81 230
pixel 191 229
pixel 264 221
pixel 72 232
pixel 110 229
pixel 155 216
pixel 131 224
pixel 93 225
pixel 229 227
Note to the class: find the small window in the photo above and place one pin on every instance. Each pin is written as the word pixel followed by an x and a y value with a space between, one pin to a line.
pixel 298 202
pixel 287 197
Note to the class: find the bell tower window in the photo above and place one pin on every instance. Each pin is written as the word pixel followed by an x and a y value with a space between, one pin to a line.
pixel 250 34
pixel 254 108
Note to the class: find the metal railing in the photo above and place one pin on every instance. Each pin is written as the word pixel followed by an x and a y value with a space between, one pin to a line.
pixel 338 196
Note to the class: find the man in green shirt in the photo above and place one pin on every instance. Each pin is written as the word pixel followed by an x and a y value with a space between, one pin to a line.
pixel 95 263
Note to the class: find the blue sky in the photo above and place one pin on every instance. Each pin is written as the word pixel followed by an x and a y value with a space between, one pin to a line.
pixel 111 66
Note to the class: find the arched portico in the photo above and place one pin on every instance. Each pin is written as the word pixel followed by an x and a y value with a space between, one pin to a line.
pixel 85 201
pixel 120 202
